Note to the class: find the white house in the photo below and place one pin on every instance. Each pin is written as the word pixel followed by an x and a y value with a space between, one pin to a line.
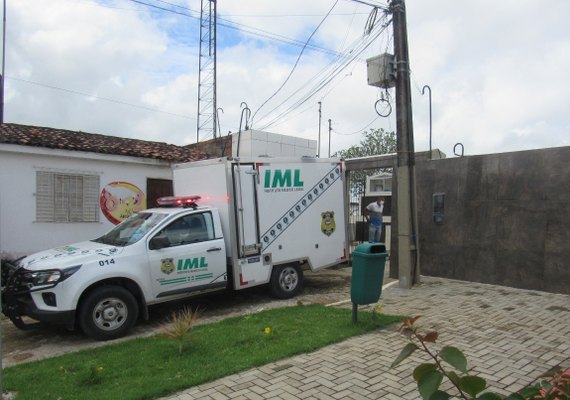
pixel 58 187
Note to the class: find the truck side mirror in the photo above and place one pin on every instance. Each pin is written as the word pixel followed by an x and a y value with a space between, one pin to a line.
pixel 157 243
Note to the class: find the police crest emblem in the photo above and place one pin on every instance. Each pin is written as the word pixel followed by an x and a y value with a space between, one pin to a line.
pixel 167 266
pixel 328 225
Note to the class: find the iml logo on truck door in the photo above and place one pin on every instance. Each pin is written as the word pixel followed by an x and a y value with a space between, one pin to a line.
pixel 283 180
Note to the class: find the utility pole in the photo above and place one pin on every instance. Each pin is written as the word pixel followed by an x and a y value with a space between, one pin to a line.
pixel 330 129
pixel 319 141
pixel 408 249
pixel 2 80
pixel 2 77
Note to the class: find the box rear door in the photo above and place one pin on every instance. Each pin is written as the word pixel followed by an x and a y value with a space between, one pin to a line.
pixel 245 201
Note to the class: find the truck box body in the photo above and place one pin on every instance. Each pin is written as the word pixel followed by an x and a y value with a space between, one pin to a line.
pixel 273 210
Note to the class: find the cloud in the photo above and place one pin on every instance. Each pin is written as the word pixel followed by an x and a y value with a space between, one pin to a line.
pixel 495 68
pixel 498 71
pixel 57 56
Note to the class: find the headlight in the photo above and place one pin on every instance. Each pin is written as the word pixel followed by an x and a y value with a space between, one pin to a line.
pixel 49 277
pixel 42 278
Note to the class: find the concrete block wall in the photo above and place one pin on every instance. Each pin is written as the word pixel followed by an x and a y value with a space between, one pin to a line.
pixel 507 219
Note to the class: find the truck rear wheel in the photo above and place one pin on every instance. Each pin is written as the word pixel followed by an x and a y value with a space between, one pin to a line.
pixel 108 312
pixel 286 281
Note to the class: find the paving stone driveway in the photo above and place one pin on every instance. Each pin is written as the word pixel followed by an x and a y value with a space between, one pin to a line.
pixel 510 336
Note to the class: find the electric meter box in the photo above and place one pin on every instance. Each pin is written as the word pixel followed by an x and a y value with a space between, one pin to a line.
pixel 381 72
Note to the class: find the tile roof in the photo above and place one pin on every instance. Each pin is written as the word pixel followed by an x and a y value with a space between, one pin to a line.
pixel 53 138
pixel 217 147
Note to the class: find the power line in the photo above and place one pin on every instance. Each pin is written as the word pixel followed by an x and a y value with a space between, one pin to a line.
pixel 348 28
pixel 289 15
pixel 327 79
pixel 240 27
pixel 343 61
pixel 355 52
pixel 297 61
pixel 370 4
pixel 83 94
pixel 166 9
pixel 256 15
pixel 361 130
pixel 335 69
pixel 348 57
pixel 304 110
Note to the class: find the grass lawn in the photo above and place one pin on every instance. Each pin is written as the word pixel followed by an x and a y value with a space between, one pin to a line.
pixel 148 368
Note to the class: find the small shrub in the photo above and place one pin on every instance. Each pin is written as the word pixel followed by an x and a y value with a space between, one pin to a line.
pixel 94 376
pixel 180 325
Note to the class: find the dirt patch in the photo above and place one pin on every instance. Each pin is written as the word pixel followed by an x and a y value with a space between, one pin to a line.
pixel 324 287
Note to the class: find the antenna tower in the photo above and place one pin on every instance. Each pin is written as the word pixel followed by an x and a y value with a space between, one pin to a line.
pixel 206 126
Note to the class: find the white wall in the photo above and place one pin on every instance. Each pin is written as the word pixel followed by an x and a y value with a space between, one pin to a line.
pixel 258 143
pixel 20 234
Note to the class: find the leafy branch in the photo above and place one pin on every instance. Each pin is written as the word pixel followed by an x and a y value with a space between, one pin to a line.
pixel 429 376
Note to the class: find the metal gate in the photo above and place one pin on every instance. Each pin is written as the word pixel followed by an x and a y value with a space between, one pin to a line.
pixel 363 187
pixel 368 178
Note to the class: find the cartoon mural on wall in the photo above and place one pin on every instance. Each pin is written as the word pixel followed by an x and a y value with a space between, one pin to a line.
pixel 120 200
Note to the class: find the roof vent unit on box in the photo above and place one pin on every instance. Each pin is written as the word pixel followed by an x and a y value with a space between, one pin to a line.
pixel 381 71
pixel 254 143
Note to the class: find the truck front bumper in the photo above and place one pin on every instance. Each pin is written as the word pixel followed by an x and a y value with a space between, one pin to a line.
pixel 17 306
pixel 17 301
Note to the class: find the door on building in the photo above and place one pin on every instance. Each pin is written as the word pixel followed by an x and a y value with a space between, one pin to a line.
pixel 156 188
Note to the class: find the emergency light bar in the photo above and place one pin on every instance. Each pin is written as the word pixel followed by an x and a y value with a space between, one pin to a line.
pixel 178 201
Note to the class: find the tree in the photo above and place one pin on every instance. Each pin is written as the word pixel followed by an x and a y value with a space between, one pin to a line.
pixel 375 142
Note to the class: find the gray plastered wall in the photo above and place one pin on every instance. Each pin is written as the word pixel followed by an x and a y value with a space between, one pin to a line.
pixel 507 219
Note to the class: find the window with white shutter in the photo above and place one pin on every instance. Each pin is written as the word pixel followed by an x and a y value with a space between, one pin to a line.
pixel 62 197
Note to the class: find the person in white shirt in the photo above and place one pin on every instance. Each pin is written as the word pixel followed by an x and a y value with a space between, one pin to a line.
pixel 373 214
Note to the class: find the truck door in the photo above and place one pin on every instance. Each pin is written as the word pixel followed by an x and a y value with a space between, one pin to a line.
pixel 187 255
pixel 244 176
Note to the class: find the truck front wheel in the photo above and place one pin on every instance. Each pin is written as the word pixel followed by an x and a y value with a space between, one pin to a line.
pixel 108 312
pixel 286 281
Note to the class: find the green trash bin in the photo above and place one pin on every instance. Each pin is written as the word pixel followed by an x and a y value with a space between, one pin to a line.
pixel 368 262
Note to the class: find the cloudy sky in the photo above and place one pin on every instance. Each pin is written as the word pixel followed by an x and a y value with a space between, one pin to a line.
pixel 499 71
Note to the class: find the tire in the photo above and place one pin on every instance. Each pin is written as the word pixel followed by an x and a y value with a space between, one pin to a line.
pixel 108 312
pixel 286 281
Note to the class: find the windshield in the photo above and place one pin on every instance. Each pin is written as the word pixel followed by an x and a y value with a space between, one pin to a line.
pixel 131 230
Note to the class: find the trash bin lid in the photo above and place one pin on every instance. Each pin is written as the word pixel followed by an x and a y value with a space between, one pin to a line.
pixel 370 248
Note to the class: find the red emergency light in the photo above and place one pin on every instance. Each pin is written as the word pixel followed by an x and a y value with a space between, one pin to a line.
pixel 178 201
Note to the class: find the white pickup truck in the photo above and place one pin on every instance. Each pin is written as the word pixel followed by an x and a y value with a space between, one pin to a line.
pixel 265 222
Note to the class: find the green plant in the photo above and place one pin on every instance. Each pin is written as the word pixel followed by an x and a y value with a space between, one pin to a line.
pixel 553 385
pixel 94 375
pixel 147 368
pixel 180 325
pixel 429 376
